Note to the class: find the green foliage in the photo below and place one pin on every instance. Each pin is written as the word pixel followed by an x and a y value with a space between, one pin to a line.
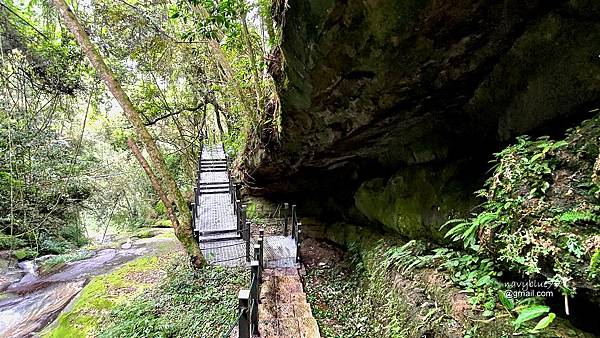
pixel 407 257
pixel 9 242
pixel 467 231
pixel 25 253
pixel 42 161
pixel 251 212
pixel 185 304
pixel 345 305
pixel 575 216
pixel 528 313
pixel 476 276
pixel 540 215
pixel 544 322
pixel 100 295
pixel 160 208
pixel 508 303
pixel 594 267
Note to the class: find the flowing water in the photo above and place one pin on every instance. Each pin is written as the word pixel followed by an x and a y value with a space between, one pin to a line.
pixel 31 302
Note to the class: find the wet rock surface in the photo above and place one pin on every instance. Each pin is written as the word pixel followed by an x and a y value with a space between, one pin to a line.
pixel 32 300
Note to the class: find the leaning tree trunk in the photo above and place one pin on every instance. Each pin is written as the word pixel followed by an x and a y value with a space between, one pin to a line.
pixel 155 183
pixel 134 117
pixel 253 63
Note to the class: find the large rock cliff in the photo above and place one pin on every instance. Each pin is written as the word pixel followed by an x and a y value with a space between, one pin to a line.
pixel 370 86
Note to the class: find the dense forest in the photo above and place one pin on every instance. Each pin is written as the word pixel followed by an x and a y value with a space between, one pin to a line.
pixel 66 157
pixel 388 168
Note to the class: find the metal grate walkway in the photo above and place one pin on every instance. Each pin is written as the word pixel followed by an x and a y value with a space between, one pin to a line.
pixel 216 223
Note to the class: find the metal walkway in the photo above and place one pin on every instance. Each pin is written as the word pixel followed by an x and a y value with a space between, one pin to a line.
pixel 220 227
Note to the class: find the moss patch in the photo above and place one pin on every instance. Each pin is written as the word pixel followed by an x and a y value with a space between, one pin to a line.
pixel 416 201
pixel 187 303
pixel 162 223
pixel 102 294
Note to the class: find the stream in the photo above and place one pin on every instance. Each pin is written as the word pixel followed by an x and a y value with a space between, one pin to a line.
pixel 31 301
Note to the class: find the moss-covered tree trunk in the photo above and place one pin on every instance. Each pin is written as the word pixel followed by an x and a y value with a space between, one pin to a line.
pixel 134 117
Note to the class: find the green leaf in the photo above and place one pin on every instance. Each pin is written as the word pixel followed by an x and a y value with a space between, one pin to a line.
pixel 530 313
pixel 488 313
pixel 508 303
pixel 537 156
pixel 483 280
pixel 544 322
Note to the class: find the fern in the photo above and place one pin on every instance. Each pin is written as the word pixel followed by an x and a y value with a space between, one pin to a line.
pixel 466 230
pixel 406 257
pixel 574 216
pixel 594 268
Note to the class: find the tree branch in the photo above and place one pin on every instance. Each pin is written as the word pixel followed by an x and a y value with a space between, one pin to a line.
pixel 173 113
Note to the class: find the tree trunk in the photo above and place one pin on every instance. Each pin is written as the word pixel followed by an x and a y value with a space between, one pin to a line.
pixel 218 119
pixel 250 52
pixel 132 115
pixel 183 233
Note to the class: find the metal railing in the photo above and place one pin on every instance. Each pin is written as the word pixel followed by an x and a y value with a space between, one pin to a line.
pixel 248 299
pixel 296 232
pixel 197 187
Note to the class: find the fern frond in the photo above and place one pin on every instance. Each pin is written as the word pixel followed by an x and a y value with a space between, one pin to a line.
pixel 575 216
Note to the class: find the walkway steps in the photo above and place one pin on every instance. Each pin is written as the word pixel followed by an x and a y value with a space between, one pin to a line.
pixel 216 224
pixel 216 232
pixel 214 185
pixel 205 184
pixel 214 191
pixel 212 170
pixel 219 237
pixel 284 311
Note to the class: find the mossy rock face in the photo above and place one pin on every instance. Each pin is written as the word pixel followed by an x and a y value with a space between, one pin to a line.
pixel 396 82
pixel 547 74
pixel 416 201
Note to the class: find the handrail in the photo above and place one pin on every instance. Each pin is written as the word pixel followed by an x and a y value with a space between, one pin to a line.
pixel 296 231
pixel 247 320
pixel 196 203
pixel 249 298
pixel 233 190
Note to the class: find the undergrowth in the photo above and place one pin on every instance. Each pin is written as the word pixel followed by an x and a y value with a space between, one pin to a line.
pixel 342 303
pixel 359 297
pixel 186 303
pixel 157 296
pixel 478 278
pixel 541 212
